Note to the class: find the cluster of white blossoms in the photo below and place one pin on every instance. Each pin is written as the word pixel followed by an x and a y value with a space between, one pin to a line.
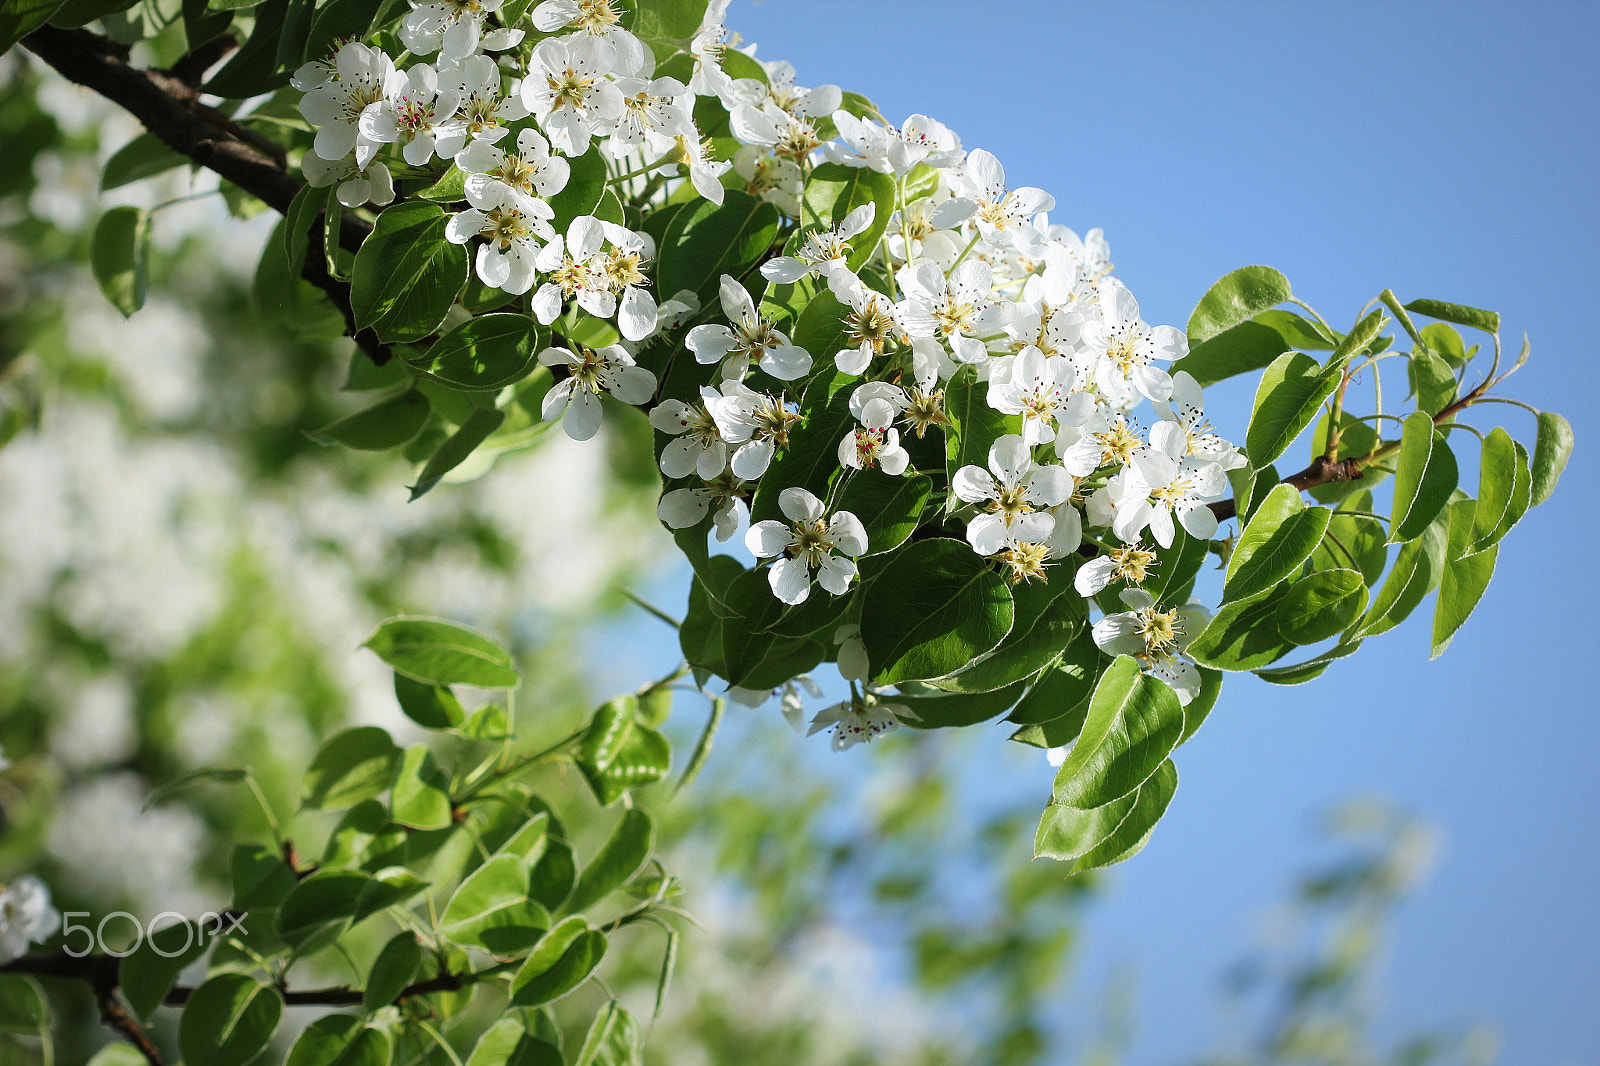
pixel 965 271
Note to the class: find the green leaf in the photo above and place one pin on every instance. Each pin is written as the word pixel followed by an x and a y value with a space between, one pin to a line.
pixel 705 241
pixel 1443 340
pixel 944 711
pixel 337 21
pixel 1354 541
pixel 1356 341
pixel 352 765
pixel 1551 450
pixel 147 973
pixel 935 607
pixel 508 1043
pixel 260 877
pixel 1134 723
pixel 1045 619
pixel 888 507
pixel 1504 490
pixel 832 191
pixel 1176 566
pixel 1242 635
pixel 1488 321
pixel 1321 605
pixel 1250 487
pixel 623 855
pixel 387 424
pixel 551 878
pixel 1280 537
pixel 668 28
pixel 618 752
pixel 485 353
pixel 1234 298
pixel 18 18
pixel 23 1006
pixel 1297 331
pixel 228 1021
pixel 1198 709
pixel 394 968
pixel 1067 833
pixel 1064 686
pixel 340 1040
pixel 561 961
pixel 1250 345
pixel 1133 832
pixel 1311 669
pixel 1432 381
pixel 454 451
pixel 437 652
pixel 421 797
pixel 974 426
pixel 430 706
pixel 1416 572
pixel 745 643
pixel 193 777
pixel 140 158
pixel 1465 576
pixel 612 1040
pixel 1291 391
pixel 254 68
pixel 449 189
pixel 388 887
pixel 702 747
pixel 1424 477
pixel 491 909
pixel 318 909
pixel 586 184
pixel 119 253
pixel 297 223
pixel 407 273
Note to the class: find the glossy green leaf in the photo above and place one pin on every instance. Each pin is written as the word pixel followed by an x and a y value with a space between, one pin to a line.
pixel 1432 381
pixel 23 1006
pixel 260 877
pixel 1321 605
pixel 1424 477
pixel 1240 349
pixel 407 273
pixel 888 507
pixel 668 28
pixel 1311 669
pixel 1133 831
pixel 485 353
pixel 1250 487
pixel 702 747
pixel 1551 450
pixel 705 241
pixel 1464 579
pixel 551 878
pixel 320 907
pixel 147 973
pixel 613 1039
pixel 1235 298
pixel 1066 833
pixel 1046 618
pixel 618 752
pixel 1354 542
pixel 297 224
pixel 1176 566
pixel 228 1021
pixel 387 424
pixel 1279 537
pixel 391 885
pixel 144 156
pixel 832 191
pixel 974 425
pixel 437 652
pixel 1287 399
pixel 491 909
pixel 1444 341
pixel 561 961
pixel 1298 331
pixel 1065 685
pixel 1134 723
pixel 1505 486
pixel 1242 635
pixel 394 968
pixel 1461 315
pixel 1360 336
pixel 430 706
pixel 586 184
pixel 745 641
pixel 18 18
pixel 337 21
pixel 935 607
pixel 623 855
pixel 449 189
pixel 944 711
pixel 119 254
pixel 508 1043
pixel 1416 572
pixel 340 1040
pixel 352 765
pixel 421 795
pixel 1199 707
pixel 455 450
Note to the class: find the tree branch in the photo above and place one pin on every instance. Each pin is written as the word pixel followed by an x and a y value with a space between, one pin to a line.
pixel 168 104
pixel 1322 471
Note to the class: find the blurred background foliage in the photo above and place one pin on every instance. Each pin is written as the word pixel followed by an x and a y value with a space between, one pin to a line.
pixel 188 576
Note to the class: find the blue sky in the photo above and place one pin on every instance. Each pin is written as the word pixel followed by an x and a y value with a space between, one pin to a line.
pixel 1446 150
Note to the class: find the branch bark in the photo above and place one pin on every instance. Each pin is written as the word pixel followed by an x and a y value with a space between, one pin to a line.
pixel 169 106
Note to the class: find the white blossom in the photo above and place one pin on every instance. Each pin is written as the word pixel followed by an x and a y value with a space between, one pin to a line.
pixel 806 543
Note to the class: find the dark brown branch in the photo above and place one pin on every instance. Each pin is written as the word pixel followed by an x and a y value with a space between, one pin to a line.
pixel 100 973
pixel 169 107
pixel 336 997
pixel 1321 472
